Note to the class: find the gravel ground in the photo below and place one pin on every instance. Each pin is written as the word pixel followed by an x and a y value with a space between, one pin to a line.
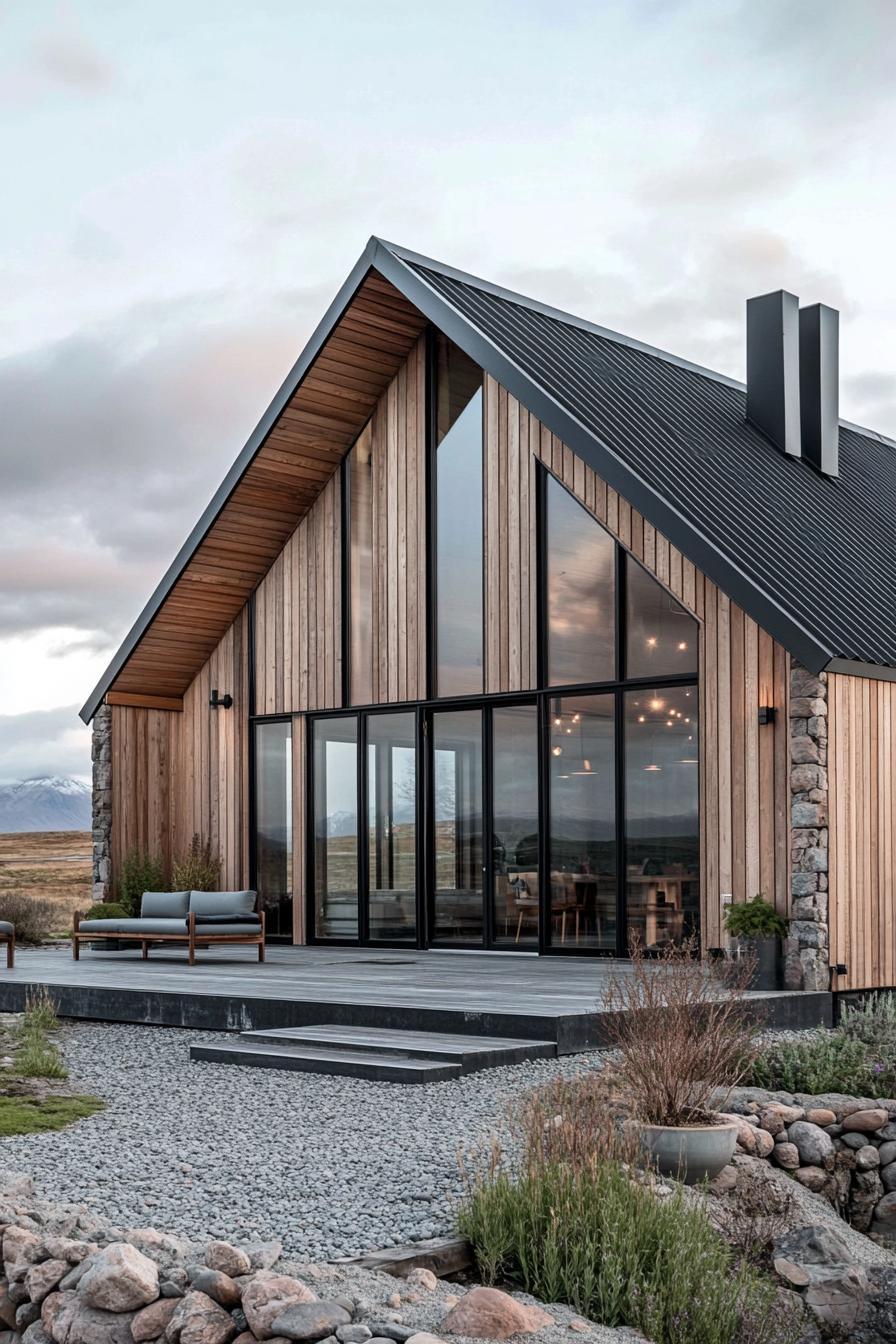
pixel 330 1166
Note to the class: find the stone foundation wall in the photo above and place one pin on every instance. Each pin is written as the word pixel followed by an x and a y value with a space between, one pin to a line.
pixel 807 950
pixel 841 1147
pixel 101 755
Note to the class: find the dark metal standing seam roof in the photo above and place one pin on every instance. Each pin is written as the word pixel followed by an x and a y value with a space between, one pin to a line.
pixel 809 557
pixel 822 549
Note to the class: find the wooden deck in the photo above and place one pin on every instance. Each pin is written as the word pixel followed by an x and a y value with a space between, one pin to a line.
pixel 496 994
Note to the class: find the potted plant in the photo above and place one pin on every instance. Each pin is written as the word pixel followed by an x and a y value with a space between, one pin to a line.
pixel 758 930
pixel 682 1042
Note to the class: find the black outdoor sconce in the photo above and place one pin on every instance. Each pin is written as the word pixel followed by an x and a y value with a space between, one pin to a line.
pixel 766 714
pixel 220 701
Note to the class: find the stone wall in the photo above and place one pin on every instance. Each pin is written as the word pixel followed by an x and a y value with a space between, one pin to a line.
pixel 807 950
pixel 101 755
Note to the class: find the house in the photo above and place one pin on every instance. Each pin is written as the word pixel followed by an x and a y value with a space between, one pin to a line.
pixel 507 631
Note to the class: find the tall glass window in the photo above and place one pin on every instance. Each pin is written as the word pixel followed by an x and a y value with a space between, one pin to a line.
pixel 661 635
pixel 662 819
pixel 458 522
pixel 515 824
pixel 359 486
pixel 392 826
pixel 582 850
pixel 273 824
pixel 580 593
pixel 458 814
pixel 336 827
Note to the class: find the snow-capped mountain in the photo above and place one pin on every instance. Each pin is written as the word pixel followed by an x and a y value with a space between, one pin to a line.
pixel 50 803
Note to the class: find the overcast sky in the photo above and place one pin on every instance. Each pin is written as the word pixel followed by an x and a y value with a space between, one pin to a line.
pixel 186 186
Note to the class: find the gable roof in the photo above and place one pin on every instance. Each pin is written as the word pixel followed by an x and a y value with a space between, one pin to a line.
pixel 809 557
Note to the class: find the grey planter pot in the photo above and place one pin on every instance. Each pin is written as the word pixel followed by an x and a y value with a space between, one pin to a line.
pixel 769 961
pixel 690 1153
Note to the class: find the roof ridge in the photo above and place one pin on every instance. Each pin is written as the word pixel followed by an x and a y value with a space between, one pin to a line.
pixel 583 324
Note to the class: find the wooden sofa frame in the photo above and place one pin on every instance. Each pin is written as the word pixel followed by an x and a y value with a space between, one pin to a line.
pixel 188 938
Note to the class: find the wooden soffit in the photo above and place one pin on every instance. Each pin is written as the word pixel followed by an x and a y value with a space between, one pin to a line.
pixel 309 427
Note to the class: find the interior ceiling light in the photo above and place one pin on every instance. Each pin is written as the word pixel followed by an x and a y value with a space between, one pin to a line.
pixel 651 642
pixel 682 644
pixel 557 751
pixel 656 703
pixel 654 769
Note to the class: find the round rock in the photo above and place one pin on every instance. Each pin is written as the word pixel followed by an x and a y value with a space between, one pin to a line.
pixel 812 1144
pixel 310 1321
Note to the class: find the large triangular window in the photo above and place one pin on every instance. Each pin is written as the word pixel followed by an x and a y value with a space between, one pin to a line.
pixel 581 588
pixel 661 634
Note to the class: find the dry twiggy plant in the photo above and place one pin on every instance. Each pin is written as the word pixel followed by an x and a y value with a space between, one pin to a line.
pixel 682 1029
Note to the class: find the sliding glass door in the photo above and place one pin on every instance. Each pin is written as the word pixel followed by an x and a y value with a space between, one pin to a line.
pixel 458 858
pixel 391 867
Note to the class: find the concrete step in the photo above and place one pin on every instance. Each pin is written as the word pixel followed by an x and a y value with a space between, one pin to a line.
pixel 471 1052
pixel 295 1058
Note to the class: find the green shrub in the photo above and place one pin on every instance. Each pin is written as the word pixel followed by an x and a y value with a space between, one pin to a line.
pixel 35 919
pixel 197 870
pixel 139 872
pixel 829 1061
pixel 595 1238
pixel 106 910
pixel 754 919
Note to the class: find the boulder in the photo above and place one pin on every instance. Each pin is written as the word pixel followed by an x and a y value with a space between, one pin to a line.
pixel 64 1248
pixel 786 1155
pixel 36 1334
pixel 43 1278
pixel 196 1319
pixel 266 1297
pixel 20 1251
pixel 764 1143
pixel 813 1178
pixel 865 1122
pixel 813 1245
pixel 119 1278
pixel 353 1334
pixel 883 1222
pixel 424 1278
pixel 263 1254
pixel 152 1321
pixel 161 1247
pixel 310 1321
pixel 813 1145
pixel 867 1158
pixel 424 1337
pixel 888 1177
pixel 219 1287
pixel 74 1321
pixel 887 1152
pixel 837 1295
pixel 790 1272
pixel 488 1313
pixel 820 1115
pixel 227 1259
pixel 771 1120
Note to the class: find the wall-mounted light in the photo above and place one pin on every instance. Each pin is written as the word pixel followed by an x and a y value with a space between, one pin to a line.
pixel 766 714
pixel 220 701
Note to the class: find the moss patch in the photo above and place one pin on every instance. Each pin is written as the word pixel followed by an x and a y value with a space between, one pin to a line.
pixel 33 1115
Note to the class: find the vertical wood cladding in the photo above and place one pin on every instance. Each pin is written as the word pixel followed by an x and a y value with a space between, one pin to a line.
pixel 862 846
pixel 176 774
pixel 744 767
pixel 298 605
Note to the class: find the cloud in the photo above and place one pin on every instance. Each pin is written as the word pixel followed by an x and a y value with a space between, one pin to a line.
pixel 43 742
pixel 68 58
pixel 717 181
pixel 112 444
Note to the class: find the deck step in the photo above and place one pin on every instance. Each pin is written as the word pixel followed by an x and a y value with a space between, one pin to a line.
pixel 311 1059
pixel 376 1053
pixel 471 1052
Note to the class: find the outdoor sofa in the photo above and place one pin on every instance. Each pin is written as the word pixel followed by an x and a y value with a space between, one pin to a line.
pixel 190 918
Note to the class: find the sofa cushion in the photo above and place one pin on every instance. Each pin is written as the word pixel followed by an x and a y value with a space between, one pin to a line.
pixel 7 929
pixel 141 927
pixel 212 921
pixel 222 902
pixel 164 904
pixel 213 930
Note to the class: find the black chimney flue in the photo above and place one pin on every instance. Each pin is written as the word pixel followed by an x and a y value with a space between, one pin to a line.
pixel 773 368
pixel 820 386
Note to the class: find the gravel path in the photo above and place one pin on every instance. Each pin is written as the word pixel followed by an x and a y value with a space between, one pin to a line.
pixel 330 1166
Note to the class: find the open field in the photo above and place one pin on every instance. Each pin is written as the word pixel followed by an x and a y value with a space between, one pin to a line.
pixel 51 865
